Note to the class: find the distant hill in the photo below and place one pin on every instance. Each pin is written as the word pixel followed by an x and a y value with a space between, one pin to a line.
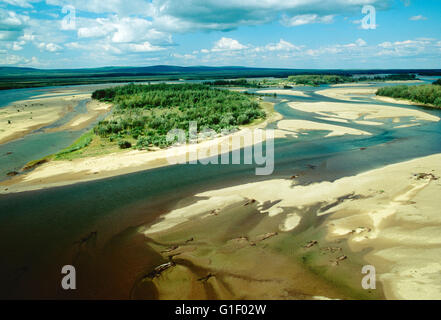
pixel 166 69
pixel 159 69
pixel 18 77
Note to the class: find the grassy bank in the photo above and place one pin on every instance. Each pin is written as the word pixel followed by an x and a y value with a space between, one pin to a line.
pixel 429 95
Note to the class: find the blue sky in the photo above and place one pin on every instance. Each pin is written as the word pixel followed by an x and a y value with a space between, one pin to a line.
pixel 257 33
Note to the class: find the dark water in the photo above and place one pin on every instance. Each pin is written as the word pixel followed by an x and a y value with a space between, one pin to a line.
pixel 43 230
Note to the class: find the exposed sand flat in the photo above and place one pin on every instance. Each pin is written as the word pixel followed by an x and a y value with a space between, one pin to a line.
pixel 368 123
pixel 347 94
pixel 238 89
pixel 260 191
pixel 184 214
pixel 94 110
pixel 361 111
pixel 28 115
pixel 351 94
pixel 393 211
pixel 407 125
pixel 399 101
pixel 219 254
pixel 352 84
pixel 61 92
pixel 400 220
pixel 333 119
pixel 304 125
pixel 370 83
pixel 404 81
pixel 285 92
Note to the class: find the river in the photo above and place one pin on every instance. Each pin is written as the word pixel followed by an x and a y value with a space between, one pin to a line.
pixel 40 231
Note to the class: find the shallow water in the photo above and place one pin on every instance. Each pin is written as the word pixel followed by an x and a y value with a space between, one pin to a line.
pixel 40 230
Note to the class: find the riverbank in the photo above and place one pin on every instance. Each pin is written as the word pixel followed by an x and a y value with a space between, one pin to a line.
pixel 386 217
pixel 100 160
pixel 51 173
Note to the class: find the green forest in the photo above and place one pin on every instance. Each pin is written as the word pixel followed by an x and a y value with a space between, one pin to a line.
pixel 317 80
pixel 314 80
pixel 146 113
pixel 235 83
pixel 428 94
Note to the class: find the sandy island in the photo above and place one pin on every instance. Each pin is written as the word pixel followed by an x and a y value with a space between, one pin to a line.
pixel 361 112
pixel 297 126
pixel 285 92
pixel 23 117
pixel 65 172
pixel 393 211
pixel 361 92
pixel 348 94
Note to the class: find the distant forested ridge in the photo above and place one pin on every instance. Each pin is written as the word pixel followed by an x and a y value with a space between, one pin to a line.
pixel 15 77
pixel 234 83
pixel 428 94
pixel 147 113
pixel 389 77
pixel 316 80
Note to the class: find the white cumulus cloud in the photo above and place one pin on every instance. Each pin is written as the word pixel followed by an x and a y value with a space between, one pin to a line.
pixel 227 44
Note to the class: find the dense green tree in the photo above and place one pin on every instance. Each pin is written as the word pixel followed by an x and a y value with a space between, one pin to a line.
pixel 148 112
pixel 425 94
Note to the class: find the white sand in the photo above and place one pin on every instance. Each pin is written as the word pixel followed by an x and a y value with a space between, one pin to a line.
pixel 185 214
pixel 405 226
pixel 397 101
pixel 333 119
pixel 407 126
pixel 352 84
pixel 304 125
pixel 94 110
pixel 354 94
pixel 352 111
pixel 64 172
pixel 286 92
pixel 28 115
pixel 397 219
pixel 368 123
pixel 347 94
pixel 40 111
